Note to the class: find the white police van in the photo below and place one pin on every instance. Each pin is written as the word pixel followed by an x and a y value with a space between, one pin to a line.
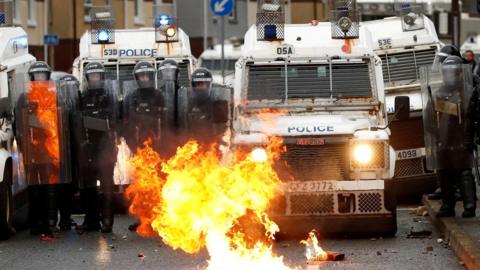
pixel 132 46
pixel 328 93
pixel 14 63
pixel 403 48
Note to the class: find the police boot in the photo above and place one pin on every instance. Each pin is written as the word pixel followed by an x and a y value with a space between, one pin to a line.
pixel 65 207
pixel 52 205
pixel 91 222
pixel 448 195
pixel 34 201
pixel 107 212
pixel 469 194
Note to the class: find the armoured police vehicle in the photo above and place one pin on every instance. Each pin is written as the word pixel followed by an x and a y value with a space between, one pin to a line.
pixel 404 43
pixel 14 63
pixel 120 49
pixel 320 88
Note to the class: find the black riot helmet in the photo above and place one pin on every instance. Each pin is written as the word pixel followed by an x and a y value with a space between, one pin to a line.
pixel 70 79
pixel 446 51
pixel 39 71
pixel 144 74
pixel 95 75
pixel 452 71
pixel 169 70
pixel 202 84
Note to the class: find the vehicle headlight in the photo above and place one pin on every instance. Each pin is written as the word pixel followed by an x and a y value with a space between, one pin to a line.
pixel 362 154
pixel 369 155
pixel 259 154
pixel 170 32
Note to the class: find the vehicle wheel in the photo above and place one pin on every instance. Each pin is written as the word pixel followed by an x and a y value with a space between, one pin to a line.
pixel 6 204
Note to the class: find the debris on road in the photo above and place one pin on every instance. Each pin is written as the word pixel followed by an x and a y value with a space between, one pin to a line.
pixel 429 249
pixel 140 255
pixel 421 211
pixel 379 253
pixel 439 240
pixel 422 233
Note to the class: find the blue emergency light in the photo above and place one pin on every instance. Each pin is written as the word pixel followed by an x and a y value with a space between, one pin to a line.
pixel 103 36
pixel 406 7
pixel 270 32
pixel 163 20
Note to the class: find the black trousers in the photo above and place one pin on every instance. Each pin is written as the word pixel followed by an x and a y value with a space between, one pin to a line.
pixel 450 179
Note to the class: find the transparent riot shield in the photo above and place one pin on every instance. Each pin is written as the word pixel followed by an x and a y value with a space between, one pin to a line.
pixel 44 124
pixel 144 115
pixel 97 124
pixel 446 94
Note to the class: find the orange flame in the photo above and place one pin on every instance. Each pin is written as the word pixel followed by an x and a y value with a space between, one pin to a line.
pixel 44 95
pixel 193 200
pixel 313 251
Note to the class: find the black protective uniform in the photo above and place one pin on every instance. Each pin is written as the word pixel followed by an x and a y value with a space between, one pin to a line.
pixel 448 132
pixel 144 109
pixel 96 151
pixel 203 108
pixel 144 112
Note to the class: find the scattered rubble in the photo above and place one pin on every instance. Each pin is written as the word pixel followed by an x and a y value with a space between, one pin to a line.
pixel 422 233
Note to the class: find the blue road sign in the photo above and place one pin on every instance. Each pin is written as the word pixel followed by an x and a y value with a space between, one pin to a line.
pixel 221 7
pixel 51 40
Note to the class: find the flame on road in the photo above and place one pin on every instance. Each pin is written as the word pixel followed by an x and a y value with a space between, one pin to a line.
pixel 193 201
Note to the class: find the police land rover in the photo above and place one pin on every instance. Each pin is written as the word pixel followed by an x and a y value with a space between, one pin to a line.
pixel 326 83
pixel 404 43
pixel 120 49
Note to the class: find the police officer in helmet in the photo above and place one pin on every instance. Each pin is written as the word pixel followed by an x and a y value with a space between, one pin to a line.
pixel 96 136
pixel 207 109
pixel 43 163
pixel 144 112
pixel 448 133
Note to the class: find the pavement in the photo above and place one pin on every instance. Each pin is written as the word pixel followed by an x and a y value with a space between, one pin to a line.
pixel 462 234
pixel 123 249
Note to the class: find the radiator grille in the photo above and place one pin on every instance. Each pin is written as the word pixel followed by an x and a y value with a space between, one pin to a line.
pixel 316 162
pixel 305 204
pixel 370 202
pixel 309 81
pixel 409 167
pixel 405 66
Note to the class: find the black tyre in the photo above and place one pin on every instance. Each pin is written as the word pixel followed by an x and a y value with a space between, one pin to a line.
pixel 391 205
pixel 6 203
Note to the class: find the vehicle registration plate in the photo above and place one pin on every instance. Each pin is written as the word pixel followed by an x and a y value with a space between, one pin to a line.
pixel 409 153
pixel 310 186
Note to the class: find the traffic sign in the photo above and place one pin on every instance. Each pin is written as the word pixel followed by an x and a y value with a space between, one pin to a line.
pixel 51 40
pixel 221 7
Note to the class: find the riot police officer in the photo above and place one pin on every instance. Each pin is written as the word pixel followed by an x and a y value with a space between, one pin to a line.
pixel 96 137
pixel 204 111
pixel 70 88
pixel 41 113
pixel 144 112
pixel 448 137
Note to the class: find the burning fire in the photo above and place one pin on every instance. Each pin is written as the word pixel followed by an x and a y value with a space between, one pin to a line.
pixel 193 201
pixel 44 94
pixel 313 251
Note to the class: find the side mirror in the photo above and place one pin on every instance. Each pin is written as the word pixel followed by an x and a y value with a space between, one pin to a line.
pixel 402 108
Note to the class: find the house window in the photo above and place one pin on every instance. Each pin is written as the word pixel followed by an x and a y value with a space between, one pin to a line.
pixel 16 12
pixel 32 18
pixel 138 11
pixel 87 7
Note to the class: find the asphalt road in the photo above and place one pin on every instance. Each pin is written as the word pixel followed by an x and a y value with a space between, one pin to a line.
pixel 126 250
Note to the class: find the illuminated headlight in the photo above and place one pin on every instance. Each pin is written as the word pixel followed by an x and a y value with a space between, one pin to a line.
pixel 259 154
pixel 103 36
pixel 345 23
pixel 369 155
pixel 410 18
pixel 363 154
pixel 170 31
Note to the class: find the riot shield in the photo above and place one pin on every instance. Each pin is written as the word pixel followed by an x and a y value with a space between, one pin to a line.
pixel 446 94
pixel 44 126
pixel 144 115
